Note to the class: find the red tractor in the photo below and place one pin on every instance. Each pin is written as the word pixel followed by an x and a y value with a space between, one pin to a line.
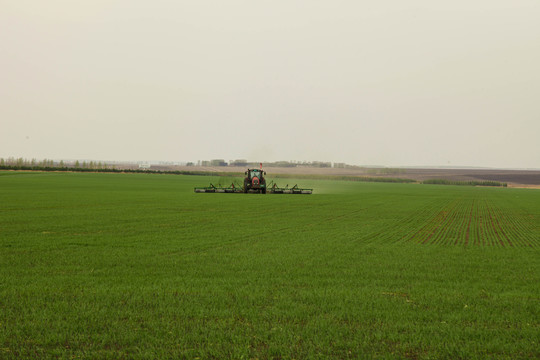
pixel 255 181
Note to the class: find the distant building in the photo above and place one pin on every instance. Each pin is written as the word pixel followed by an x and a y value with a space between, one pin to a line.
pixel 218 162
pixel 239 162
pixel 144 166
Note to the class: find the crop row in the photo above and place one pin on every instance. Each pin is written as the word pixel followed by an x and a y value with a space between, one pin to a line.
pixel 473 222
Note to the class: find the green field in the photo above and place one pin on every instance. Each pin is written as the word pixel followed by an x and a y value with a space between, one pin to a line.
pixel 139 266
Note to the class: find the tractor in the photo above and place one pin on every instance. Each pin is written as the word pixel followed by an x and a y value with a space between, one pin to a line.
pixel 255 181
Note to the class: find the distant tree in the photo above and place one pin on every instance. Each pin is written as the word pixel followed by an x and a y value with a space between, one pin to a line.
pixel 61 164
pixel 77 164
pixel 2 162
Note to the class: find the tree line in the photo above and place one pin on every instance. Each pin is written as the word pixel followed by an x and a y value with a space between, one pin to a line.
pixel 48 163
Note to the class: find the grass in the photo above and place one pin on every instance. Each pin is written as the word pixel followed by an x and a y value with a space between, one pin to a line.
pixel 139 266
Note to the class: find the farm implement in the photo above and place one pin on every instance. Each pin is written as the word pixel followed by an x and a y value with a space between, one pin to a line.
pixel 219 189
pixel 254 182
pixel 274 189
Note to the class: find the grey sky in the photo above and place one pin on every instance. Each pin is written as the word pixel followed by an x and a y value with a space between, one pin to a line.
pixel 364 82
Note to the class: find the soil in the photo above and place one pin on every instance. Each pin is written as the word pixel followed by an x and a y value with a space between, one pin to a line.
pixel 514 178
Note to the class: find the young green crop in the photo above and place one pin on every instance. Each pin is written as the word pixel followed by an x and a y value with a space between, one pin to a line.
pixel 139 266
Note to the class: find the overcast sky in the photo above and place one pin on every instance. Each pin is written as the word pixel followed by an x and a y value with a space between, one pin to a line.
pixel 391 82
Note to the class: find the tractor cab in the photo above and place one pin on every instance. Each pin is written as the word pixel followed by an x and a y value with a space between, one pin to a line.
pixel 255 173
